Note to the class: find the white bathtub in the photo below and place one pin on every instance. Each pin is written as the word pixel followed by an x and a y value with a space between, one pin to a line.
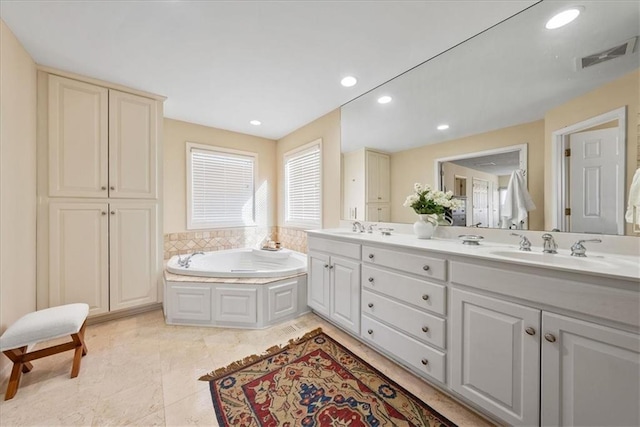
pixel 244 262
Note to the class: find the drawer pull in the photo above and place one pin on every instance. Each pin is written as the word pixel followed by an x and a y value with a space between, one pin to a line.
pixel 370 256
pixel 530 331
pixel 425 297
pixel 425 361
pixel 549 338
pixel 370 279
pixel 370 305
pixel 425 268
pixel 370 331
pixel 425 329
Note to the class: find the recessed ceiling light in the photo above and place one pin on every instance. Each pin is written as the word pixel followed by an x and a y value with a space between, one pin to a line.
pixel 255 122
pixel 443 127
pixel 563 18
pixel 348 81
pixel 384 99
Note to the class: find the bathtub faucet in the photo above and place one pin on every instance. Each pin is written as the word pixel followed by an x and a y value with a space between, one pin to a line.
pixel 186 261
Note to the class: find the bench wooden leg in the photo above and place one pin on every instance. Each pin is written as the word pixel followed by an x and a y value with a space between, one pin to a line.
pixel 19 366
pixel 80 350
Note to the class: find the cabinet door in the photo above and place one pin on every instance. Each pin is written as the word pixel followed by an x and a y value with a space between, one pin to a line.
pixel 345 293
pixel 318 282
pixel 384 213
pixel 384 179
pixel 132 146
pixel 133 254
pixel 79 255
pixel 495 362
pixel 78 139
pixel 590 374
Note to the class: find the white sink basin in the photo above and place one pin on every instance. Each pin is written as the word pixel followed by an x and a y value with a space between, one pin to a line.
pixel 556 259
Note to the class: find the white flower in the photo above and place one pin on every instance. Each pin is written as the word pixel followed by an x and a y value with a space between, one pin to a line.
pixel 410 200
pixel 417 187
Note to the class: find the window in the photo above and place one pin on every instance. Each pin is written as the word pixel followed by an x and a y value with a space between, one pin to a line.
pixel 220 187
pixel 303 190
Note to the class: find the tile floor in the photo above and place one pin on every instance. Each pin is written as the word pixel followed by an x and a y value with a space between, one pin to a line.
pixel 142 372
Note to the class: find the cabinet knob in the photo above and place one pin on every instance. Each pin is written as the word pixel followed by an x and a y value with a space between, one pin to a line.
pixel 426 268
pixel 103 213
pixel 550 337
pixel 330 267
pixel 370 279
pixel 326 266
pixel 112 187
pixel 370 305
pixel 370 331
pixel 104 187
pixel 424 361
pixel 113 212
pixel 425 329
pixel 425 297
pixel 370 256
pixel 530 331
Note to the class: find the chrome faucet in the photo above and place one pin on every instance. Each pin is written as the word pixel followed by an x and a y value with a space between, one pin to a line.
pixel 185 262
pixel 525 244
pixel 357 226
pixel 578 248
pixel 550 245
pixel 370 228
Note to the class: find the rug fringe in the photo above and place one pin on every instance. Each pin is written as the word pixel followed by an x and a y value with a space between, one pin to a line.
pixel 239 364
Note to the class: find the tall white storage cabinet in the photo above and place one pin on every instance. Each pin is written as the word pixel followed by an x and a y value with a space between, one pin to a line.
pixel 99 215
pixel 367 188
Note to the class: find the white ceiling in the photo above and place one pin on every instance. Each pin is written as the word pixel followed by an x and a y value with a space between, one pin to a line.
pixel 223 64
pixel 495 164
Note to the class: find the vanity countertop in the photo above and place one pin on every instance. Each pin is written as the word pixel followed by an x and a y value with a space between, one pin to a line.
pixel 596 263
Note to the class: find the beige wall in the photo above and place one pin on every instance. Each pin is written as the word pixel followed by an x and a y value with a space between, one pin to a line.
pixel 17 181
pixel 177 134
pixel 417 165
pixel 327 128
pixel 624 91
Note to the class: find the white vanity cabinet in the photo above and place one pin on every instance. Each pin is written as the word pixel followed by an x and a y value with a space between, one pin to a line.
pixel 590 374
pixel 334 281
pixel 495 355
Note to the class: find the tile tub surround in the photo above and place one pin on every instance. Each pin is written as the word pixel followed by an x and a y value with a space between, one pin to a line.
pixel 140 371
pixel 232 238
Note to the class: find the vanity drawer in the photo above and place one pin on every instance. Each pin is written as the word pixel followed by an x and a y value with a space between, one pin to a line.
pixel 421 265
pixel 333 247
pixel 420 325
pixel 425 295
pixel 426 360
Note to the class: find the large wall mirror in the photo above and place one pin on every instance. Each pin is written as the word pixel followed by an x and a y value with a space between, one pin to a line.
pixel 560 107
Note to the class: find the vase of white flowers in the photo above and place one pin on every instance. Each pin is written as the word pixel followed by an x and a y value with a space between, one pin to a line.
pixel 430 205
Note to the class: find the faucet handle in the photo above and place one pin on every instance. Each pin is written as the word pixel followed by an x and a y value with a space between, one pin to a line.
pixel 370 228
pixel 578 248
pixel 525 244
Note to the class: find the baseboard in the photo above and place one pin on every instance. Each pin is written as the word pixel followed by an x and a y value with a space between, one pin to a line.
pixel 100 318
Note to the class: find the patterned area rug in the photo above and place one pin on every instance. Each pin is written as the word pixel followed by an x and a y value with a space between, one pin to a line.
pixel 313 381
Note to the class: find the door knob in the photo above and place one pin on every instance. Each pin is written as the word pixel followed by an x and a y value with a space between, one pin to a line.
pixel 530 331
pixel 550 337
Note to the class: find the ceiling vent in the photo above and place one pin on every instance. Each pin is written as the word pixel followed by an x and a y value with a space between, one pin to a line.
pixel 613 52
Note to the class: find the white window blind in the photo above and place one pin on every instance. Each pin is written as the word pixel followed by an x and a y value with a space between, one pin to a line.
pixel 303 194
pixel 221 188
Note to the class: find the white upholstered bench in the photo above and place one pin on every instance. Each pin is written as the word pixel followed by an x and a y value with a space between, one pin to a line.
pixel 44 325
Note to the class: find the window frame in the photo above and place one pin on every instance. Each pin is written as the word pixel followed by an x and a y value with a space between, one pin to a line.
pixel 193 225
pixel 306 225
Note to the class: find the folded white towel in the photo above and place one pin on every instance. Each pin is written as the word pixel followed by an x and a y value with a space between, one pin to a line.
pixel 634 199
pixel 517 201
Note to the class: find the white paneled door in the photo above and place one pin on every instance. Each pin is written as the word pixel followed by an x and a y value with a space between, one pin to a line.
pixel 593 174
pixel 132 146
pixel 590 374
pixel 79 255
pixel 78 139
pixel 318 288
pixel 495 356
pixel 133 256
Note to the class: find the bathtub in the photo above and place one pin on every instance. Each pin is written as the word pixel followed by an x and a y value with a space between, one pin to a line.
pixel 244 262
pixel 237 288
